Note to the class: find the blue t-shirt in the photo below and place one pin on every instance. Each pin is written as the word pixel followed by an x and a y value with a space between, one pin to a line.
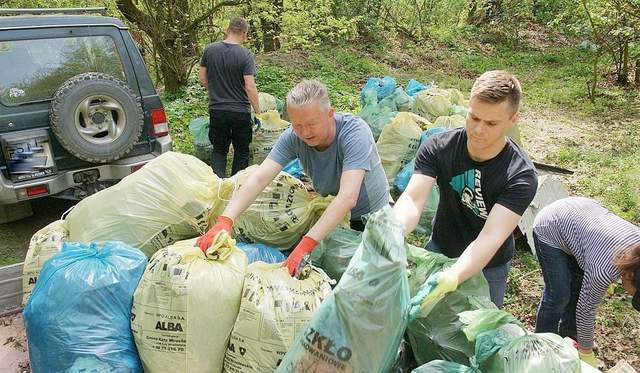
pixel 352 149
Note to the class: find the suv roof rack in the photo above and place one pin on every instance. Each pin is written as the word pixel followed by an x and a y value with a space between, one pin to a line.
pixel 39 11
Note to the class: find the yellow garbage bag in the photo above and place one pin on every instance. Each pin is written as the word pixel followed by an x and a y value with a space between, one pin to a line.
pixel 273 309
pixel 433 103
pixel 450 121
pixel 44 244
pixel 281 214
pixel 186 304
pixel 398 143
pixel 172 198
pixel 266 135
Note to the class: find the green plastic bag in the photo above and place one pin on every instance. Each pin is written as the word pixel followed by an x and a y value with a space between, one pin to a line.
pixel 335 251
pixel 439 334
pixel 360 326
pixel 442 366
pixel 399 100
pixel 202 147
pixel 375 115
pixel 199 129
pixel 502 346
pixel 425 224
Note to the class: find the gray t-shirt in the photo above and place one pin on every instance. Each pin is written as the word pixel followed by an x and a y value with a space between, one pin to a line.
pixel 227 64
pixel 352 149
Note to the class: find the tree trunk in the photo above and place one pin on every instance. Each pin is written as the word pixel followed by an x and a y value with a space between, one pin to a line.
pixel 173 33
pixel 271 28
pixel 637 79
pixel 623 74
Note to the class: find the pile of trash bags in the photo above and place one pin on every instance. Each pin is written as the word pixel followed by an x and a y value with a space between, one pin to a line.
pixel 119 284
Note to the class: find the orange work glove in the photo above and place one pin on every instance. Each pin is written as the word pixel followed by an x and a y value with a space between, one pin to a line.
pixel 223 223
pixel 296 259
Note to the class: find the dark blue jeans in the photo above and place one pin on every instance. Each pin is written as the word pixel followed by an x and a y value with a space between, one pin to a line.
pixel 562 283
pixel 495 276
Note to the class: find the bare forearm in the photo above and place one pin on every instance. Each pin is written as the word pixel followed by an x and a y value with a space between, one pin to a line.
pixel 407 211
pixel 475 257
pixel 252 93
pixel 332 216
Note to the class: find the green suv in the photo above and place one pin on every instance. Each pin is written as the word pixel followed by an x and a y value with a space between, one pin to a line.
pixel 78 109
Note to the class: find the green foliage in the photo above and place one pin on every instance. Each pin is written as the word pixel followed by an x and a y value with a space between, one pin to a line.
pixel 311 23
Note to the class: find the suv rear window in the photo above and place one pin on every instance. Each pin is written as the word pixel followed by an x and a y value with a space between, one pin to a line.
pixel 32 70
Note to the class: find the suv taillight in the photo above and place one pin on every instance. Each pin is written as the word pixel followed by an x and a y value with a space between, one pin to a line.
pixel 159 122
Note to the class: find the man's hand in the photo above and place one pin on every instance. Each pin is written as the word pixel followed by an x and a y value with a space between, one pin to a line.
pixel 590 358
pixel 295 259
pixel 223 223
pixel 437 285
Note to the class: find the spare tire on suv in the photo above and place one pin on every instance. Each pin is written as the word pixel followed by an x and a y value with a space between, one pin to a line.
pixel 96 117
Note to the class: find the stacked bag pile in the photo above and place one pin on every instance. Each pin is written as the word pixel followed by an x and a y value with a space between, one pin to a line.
pixel 119 284
pixel 93 303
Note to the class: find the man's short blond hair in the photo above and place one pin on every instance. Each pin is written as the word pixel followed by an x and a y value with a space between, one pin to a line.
pixel 497 86
pixel 238 25
pixel 308 92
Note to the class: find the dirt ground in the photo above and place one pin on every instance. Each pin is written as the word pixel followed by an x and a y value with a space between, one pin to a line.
pixel 14 357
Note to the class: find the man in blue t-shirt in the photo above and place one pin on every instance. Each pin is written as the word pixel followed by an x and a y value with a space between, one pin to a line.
pixel 339 154
pixel 486 183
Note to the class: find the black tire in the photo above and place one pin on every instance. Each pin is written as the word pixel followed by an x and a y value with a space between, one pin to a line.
pixel 113 105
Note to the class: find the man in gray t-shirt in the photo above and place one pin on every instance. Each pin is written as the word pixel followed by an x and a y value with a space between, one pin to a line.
pixel 336 150
pixel 228 70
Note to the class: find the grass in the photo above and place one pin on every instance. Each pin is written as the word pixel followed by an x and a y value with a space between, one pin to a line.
pixel 553 79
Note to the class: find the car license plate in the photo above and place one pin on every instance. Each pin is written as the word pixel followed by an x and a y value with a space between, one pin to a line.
pixel 29 158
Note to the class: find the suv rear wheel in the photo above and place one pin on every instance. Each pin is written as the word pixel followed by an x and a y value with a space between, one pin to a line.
pixel 96 117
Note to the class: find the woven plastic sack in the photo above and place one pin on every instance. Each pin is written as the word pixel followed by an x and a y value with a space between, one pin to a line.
pixel 376 116
pixel 173 197
pixel 360 326
pixel 281 214
pixel 266 135
pixel 44 244
pixel 257 252
pixel 432 103
pixel 81 308
pixel 414 87
pixel 335 251
pixel 294 168
pixel 450 122
pixel 274 308
pixel 186 304
pixel 398 143
pixel 438 333
pixel 383 87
